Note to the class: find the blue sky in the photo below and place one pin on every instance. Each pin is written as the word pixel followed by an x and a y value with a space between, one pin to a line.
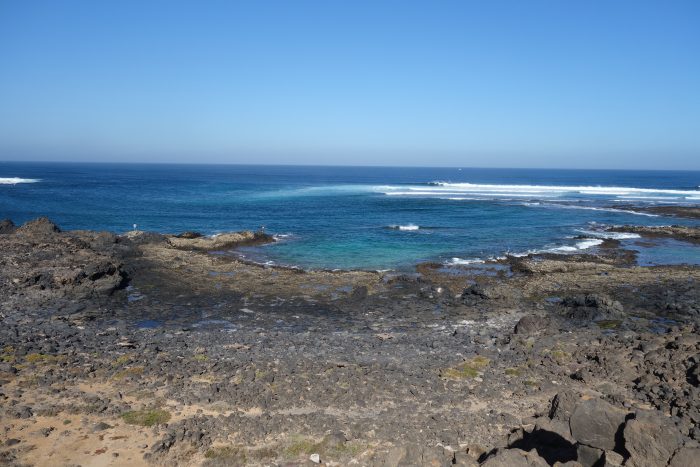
pixel 592 84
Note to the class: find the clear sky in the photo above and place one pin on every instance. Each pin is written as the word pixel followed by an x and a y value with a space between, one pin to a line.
pixel 522 83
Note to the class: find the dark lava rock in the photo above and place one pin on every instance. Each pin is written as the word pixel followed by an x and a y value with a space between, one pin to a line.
pixel 358 293
pixel 99 270
pixel 514 458
pixel 12 442
pixel 40 226
pixel 531 324
pixel 415 455
pixel 477 292
pixel 189 234
pixel 694 375
pixel 613 459
pixel 23 412
pixel 651 440
pixel 101 427
pixel 550 439
pixel 144 238
pixel 7 226
pixel 589 456
pixel 686 457
pixel 563 405
pixel 335 440
pixel 103 241
pixel 598 424
pixel 602 303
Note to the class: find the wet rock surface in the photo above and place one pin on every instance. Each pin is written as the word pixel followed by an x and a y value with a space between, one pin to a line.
pixel 690 234
pixel 131 350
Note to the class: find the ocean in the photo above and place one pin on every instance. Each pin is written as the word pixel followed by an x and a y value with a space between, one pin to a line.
pixel 360 217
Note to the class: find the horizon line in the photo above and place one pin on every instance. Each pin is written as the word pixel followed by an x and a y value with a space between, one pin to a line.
pixel 338 166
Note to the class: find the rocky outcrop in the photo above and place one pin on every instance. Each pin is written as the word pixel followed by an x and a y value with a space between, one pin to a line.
pixel 189 235
pixel 597 424
pixel 40 226
pixel 220 242
pixel 688 212
pixel 686 457
pixel 651 439
pixel 553 264
pixel 514 458
pixel 690 234
pixel 592 307
pixel 591 432
pixel 42 265
pixel 601 303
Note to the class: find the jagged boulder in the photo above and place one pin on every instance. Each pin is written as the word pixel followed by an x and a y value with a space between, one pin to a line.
pixel 597 423
pixel 686 457
pixel 531 324
pixel 651 439
pixel 514 458
pixel 40 226
pixel 563 405
pixel 588 456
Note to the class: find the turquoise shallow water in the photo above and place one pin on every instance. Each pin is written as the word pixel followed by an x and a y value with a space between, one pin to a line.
pixel 355 217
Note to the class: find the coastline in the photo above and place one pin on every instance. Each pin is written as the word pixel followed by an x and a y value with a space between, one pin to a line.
pixel 143 349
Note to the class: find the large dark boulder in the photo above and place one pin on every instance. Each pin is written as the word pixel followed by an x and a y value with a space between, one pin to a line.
pixel 514 458
pixel 531 324
pixel 598 302
pixel 7 226
pixel 598 424
pixel 651 439
pixel 563 405
pixel 588 456
pixel 686 457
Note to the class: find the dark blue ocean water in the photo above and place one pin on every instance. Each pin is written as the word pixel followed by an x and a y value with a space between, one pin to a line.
pixel 355 217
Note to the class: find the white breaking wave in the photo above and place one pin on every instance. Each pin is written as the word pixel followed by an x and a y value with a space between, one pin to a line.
pixel 555 194
pixel 480 191
pixel 665 198
pixel 582 245
pixel 16 180
pixel 610 235
pixel 416 192
pixel 460 261
pixel 592 208
pixel 537 189
pixel 405 227
pixel 564 249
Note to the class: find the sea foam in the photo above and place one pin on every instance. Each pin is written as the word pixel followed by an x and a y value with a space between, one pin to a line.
pixel 461 261
pixel 582 245
pixel 16 180
pixel 610 235
pixel 587 190
pixel 407 227
pixel 478 191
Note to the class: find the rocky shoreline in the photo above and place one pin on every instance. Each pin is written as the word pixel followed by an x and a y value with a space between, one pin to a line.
pixel 149 349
